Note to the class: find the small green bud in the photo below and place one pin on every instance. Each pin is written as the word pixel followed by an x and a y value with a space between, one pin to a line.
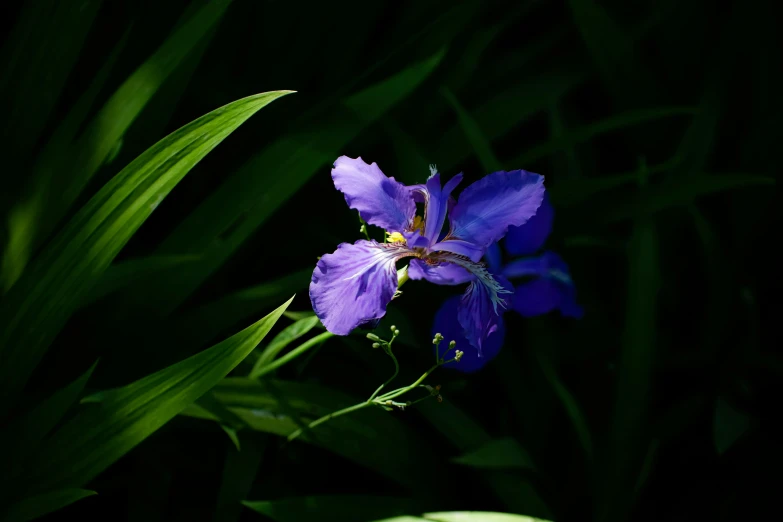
pixel 452 344
pixel 373 337
pixel 396 333
pixel 458 355
pixel 392 328
pixel 376 345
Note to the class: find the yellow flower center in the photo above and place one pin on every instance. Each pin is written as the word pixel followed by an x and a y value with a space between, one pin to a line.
pixel 395 237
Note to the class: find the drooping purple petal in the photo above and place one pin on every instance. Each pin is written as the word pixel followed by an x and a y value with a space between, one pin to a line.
pixel 352 286
pixel 527 239
pixel 436 202
pixel 552 289
pixel 447 324
pixel 478 312
pixel 494 258
pixel 489 206
pixel 441 274
pixel 381 201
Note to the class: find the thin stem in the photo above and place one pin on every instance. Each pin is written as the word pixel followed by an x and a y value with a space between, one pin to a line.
pixel 330 416
pixel 293 354
pixel 390 379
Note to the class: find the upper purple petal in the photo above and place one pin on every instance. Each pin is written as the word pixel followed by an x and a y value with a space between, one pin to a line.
pixel 441 274
pixel 436 202
pixel 381 201
pixel 527 239
pixel 489 206
pixel 478 313
pixel 447 324
pixel 352 286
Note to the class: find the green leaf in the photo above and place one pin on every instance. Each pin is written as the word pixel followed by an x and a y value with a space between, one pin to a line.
pixel 681 192
pixel 338 508
pixel 40 303
pixel 478 516
pixel 263 369
pixel 36 506
pixel 112 422
pixel 729 425
pixel 281 407
pixel 467 435
pixel 134 271
pixel 628 440
pixel 239 472
pixel 245 201
pixel 505 453
pixel 474 134
pixel 40 53
pixel 23 437
pixel 60 185
pixel 290 334
pixel 24 217
pixel 595 129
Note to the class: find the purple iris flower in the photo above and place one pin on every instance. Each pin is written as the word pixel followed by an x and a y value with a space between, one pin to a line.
pixel 352 286
pixel 545 285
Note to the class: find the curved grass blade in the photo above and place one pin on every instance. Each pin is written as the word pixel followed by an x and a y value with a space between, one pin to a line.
pixel 59 182
pixel 111 423
pixel 40 303
pixel 474 134
pixel 37 506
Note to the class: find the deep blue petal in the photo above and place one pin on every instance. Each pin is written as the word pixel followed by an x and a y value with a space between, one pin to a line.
pixel 436 203
pixel 552 288
pixel 480 314
pixel 494 258
pixel 530 237
pixel 447 324
pixel 486 209
pixel 380 200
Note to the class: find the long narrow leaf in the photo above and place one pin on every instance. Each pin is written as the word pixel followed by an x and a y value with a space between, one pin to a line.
pixel 41 302
pixel 111 423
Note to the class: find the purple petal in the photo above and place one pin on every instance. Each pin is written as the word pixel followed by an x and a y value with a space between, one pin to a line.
pixel 380 200
pixel 437 199
pixel 553 289
pixel 447 324
pixel 352 286
pixel 527 239
pixel 489 206
pixel 494 258
pixel 442 274
pixel 530 266
pixel 458 246
pixel 478 313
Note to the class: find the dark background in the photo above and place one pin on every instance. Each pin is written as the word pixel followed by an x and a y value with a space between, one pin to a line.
pixel 657 405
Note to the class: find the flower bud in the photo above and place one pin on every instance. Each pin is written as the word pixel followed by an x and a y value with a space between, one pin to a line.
pixel 376 345
pixel 396 333
pixel 373 337
pixel 452 344
pixel 392 328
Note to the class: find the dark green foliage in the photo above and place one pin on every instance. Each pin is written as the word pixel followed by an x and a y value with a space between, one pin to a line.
pixel 654 124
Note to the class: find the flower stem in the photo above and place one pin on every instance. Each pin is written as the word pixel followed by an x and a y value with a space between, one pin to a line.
pixel 390 379
pixel 330 416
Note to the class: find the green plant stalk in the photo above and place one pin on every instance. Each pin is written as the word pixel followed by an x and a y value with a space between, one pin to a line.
pixel 293 354
pixel 378 401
